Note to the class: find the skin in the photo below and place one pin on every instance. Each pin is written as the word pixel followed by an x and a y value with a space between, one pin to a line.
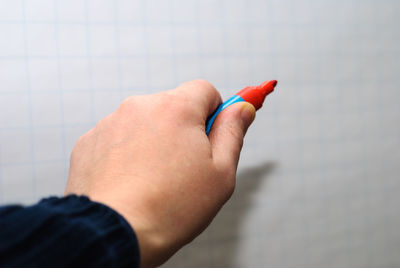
pixel 152 162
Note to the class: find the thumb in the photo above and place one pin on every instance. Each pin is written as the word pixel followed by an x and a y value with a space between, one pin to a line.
pixel 227 133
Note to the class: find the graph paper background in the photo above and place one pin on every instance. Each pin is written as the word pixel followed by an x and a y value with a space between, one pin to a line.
pixel 318 183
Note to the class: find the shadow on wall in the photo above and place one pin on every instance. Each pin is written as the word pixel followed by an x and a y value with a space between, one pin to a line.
pixel 218 246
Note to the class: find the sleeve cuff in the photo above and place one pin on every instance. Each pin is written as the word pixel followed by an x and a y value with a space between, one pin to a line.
pixel 101 235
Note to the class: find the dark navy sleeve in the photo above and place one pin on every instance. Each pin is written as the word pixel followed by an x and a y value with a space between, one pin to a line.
pixel 72 231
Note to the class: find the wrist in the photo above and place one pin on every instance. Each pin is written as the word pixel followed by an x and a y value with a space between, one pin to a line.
pixel 152 245
pixel 154 248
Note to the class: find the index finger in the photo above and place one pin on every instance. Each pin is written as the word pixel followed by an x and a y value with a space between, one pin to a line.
pixel 202 94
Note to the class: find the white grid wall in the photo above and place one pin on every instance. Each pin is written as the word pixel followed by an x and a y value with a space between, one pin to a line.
pixel 318 180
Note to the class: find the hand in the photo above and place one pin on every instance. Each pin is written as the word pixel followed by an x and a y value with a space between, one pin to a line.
pixel 152 161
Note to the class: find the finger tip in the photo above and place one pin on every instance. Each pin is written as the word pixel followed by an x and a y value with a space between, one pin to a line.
pixel 248 114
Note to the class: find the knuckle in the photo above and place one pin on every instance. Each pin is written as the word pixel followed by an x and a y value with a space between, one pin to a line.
pixel 82 140
pixel 102 123
pixel 198 83
pixel 202 92
pixel 175 103
pixel 128 103
pixel 77 147
pixel 207 88
pixel 204 84
pixel 73 157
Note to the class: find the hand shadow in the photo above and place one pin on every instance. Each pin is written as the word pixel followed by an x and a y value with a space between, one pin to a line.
pixel 218 245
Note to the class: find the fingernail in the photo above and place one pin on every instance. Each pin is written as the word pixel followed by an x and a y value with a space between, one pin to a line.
pixel 247 115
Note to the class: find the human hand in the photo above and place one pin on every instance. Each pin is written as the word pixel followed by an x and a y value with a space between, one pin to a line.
pixel 152 161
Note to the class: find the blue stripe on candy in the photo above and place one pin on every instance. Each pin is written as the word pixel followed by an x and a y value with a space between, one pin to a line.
pixel 212 117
